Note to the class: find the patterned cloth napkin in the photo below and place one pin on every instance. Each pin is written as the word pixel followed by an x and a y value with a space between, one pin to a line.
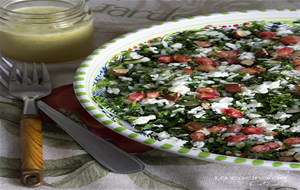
pixel 68 166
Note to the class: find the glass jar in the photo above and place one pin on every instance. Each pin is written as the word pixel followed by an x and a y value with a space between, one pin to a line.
pixel 45 30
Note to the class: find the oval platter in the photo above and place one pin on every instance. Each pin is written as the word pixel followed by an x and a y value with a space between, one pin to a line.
pixel 93 67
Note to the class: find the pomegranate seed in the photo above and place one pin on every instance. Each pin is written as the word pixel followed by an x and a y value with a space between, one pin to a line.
pixel 232 88
pixel 153 94
pixel 249 71
pixel 237 138
pixel 206 68
pixel 136 97
pixel 207 93
pixel 197 136
pixel 292 140
pixel 207 90
pixel 205 96
pixel 270 133
pixel 182 58
pixel 222 54
pixel 232 53
pixel 225 54
pixel 204 44
pixel 165 59
pixel 259 69
pixel 252 130
pixel 232 112
pixel 272 145
pixel 193 126
pixel 297 68
pixel 296 61
pixel 188 71
pixel 235 128
pixel 285 52
pixel 218 128
pixel 260 148
pixel 204 61
pixel 267 34
pixel 231 60
pixel 290 39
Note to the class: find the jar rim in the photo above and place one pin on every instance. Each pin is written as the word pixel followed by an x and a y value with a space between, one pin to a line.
pixel 73 9
pixel 76 5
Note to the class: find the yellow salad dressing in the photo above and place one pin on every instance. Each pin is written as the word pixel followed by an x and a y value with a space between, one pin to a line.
pixel 49 41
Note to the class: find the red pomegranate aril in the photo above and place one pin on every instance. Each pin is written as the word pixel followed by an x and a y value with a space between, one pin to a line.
pixel 232 53
pixel 182 58
pixel 252 130
pixel 165 59
pixel 205 96
pixel 237 138
pixel 267 34
pixel 292 140
pixel 235 128
pixel 207 93
pixel 290 39
pixel 197 136
pixel 153 94
pixel 260 148
pixel 285 52
pixel 204 44
pixel 188 71
pixel 231 60
pixel 297 68
pixel 249 71
pixel 232 112
pixel 204 61
pixel 136 97
pixel 218 128
pixel 207 90
pixel 296 61
pixel 272 145
pixel 206 68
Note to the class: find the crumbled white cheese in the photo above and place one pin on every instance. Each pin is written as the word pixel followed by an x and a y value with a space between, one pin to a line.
pixel 142 119
pixel 179 87
pixel 241 121
pixel 247 55
pixel 123 78
pixel 145 59
pixel 135 55
pixel 296 127
pixel 160 102
pixel 282 31
pixel 113 90
pixel 197 112
pixel 231 45
pixel 252 115
pixel 198 144
pixel 176 45
pixel 204 50
pixel 282 115
pixel 217 74
pixel 263 88
pixel 154 49
pixel 174 141
pixel 221 103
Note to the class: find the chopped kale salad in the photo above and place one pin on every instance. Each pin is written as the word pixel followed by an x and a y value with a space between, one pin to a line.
pixel 227 91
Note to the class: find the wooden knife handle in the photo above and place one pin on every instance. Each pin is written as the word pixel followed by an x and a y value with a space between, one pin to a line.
pixel 31 150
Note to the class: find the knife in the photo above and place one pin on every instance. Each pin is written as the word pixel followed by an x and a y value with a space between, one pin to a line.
pixel 107 154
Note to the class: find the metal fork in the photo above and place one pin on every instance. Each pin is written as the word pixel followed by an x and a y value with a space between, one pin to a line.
pixel 107 154
pixel 30 122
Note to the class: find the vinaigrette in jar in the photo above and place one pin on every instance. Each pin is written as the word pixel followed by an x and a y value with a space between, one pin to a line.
pixel 46 31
